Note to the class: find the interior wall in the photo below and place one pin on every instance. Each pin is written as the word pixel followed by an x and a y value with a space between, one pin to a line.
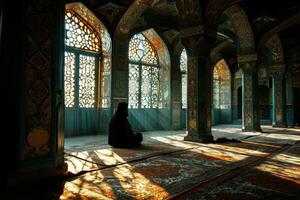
pixel 264 102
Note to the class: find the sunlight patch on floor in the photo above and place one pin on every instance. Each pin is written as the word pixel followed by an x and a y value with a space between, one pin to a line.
pixel 283 136
pixel 171 141
pixel 284 165
pixel 290 172
pixel 121 182
pixel 76 165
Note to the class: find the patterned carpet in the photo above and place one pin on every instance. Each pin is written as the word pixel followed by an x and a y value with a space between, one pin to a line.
pixel 163 171
pixel 102 158
pixel 166 167
pixel 278 177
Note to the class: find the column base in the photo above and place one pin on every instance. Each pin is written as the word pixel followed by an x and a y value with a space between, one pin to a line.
pixel 279 126
pixel 205 139
pixel 36 176
pixel 250 129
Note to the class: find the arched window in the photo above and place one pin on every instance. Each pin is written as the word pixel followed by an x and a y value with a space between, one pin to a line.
pixel 216 88
pixel 221 93
pixel 81 62
pixel 183 70
pixel 87 72
pixel 143 73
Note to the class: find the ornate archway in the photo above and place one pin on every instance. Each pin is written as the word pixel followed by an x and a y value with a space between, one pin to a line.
pixel 87 71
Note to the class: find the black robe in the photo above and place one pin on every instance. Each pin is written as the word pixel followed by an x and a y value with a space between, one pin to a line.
pixel 121 133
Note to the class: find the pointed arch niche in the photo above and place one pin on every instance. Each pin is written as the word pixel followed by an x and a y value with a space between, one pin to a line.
pixel 221 94
pixel 87 72
pixel 149 82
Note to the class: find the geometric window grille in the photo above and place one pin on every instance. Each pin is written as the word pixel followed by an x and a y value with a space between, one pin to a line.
pixel 69 79
pixel 81 62
pixel 79 34
pixel 183 70
pixel 143 73
pixel 221 85
pixel 105 74
pixel 216 88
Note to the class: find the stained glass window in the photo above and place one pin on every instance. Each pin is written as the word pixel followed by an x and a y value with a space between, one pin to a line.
pixel 143 73
pixel 183 69
pixel 81 62
pixel 79 34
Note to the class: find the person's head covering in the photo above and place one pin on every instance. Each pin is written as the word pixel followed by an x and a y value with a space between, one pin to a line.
pixel 122 110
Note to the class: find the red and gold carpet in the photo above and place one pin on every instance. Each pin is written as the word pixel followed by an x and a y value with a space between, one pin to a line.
pixel 163 175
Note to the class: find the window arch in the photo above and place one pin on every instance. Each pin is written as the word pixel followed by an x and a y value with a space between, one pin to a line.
pixel 79 34
pixel 81 62
pixel 143 73
pixel 87 71
pixel 221 85
pixel 183 70
pixel 221 93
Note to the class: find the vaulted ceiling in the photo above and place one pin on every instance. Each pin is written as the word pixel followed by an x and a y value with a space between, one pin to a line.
pixel 266 17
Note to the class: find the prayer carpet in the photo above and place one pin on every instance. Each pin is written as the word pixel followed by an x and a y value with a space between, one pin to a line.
pixel 167 175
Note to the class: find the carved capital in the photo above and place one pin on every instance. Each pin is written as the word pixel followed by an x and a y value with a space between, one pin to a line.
pixel 247 65
pixel 277 74
pixel 278 66
pixel 244 58
pixel 277 69
pixel 247 61
pixel 191 44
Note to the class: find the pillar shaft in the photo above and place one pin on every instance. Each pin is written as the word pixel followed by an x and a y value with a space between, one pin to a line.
pixel 176 94
pixel 199 99
pixel 119 71
pixel 279 97
pixel 250 117
pixel 289 100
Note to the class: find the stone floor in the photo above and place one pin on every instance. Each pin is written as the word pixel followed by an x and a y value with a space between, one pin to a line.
pixel 229 131
pixel 245 165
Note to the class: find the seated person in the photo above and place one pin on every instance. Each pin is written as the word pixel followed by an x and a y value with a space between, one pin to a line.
pixel 120 131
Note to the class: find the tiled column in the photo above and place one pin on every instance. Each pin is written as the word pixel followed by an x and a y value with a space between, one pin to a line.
pixel 40 149
pixel 250 116
pixel 199 98
pixel 176 89
pixel 289 99
pixel 119 71
pixel 234 103
pixel 278 97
